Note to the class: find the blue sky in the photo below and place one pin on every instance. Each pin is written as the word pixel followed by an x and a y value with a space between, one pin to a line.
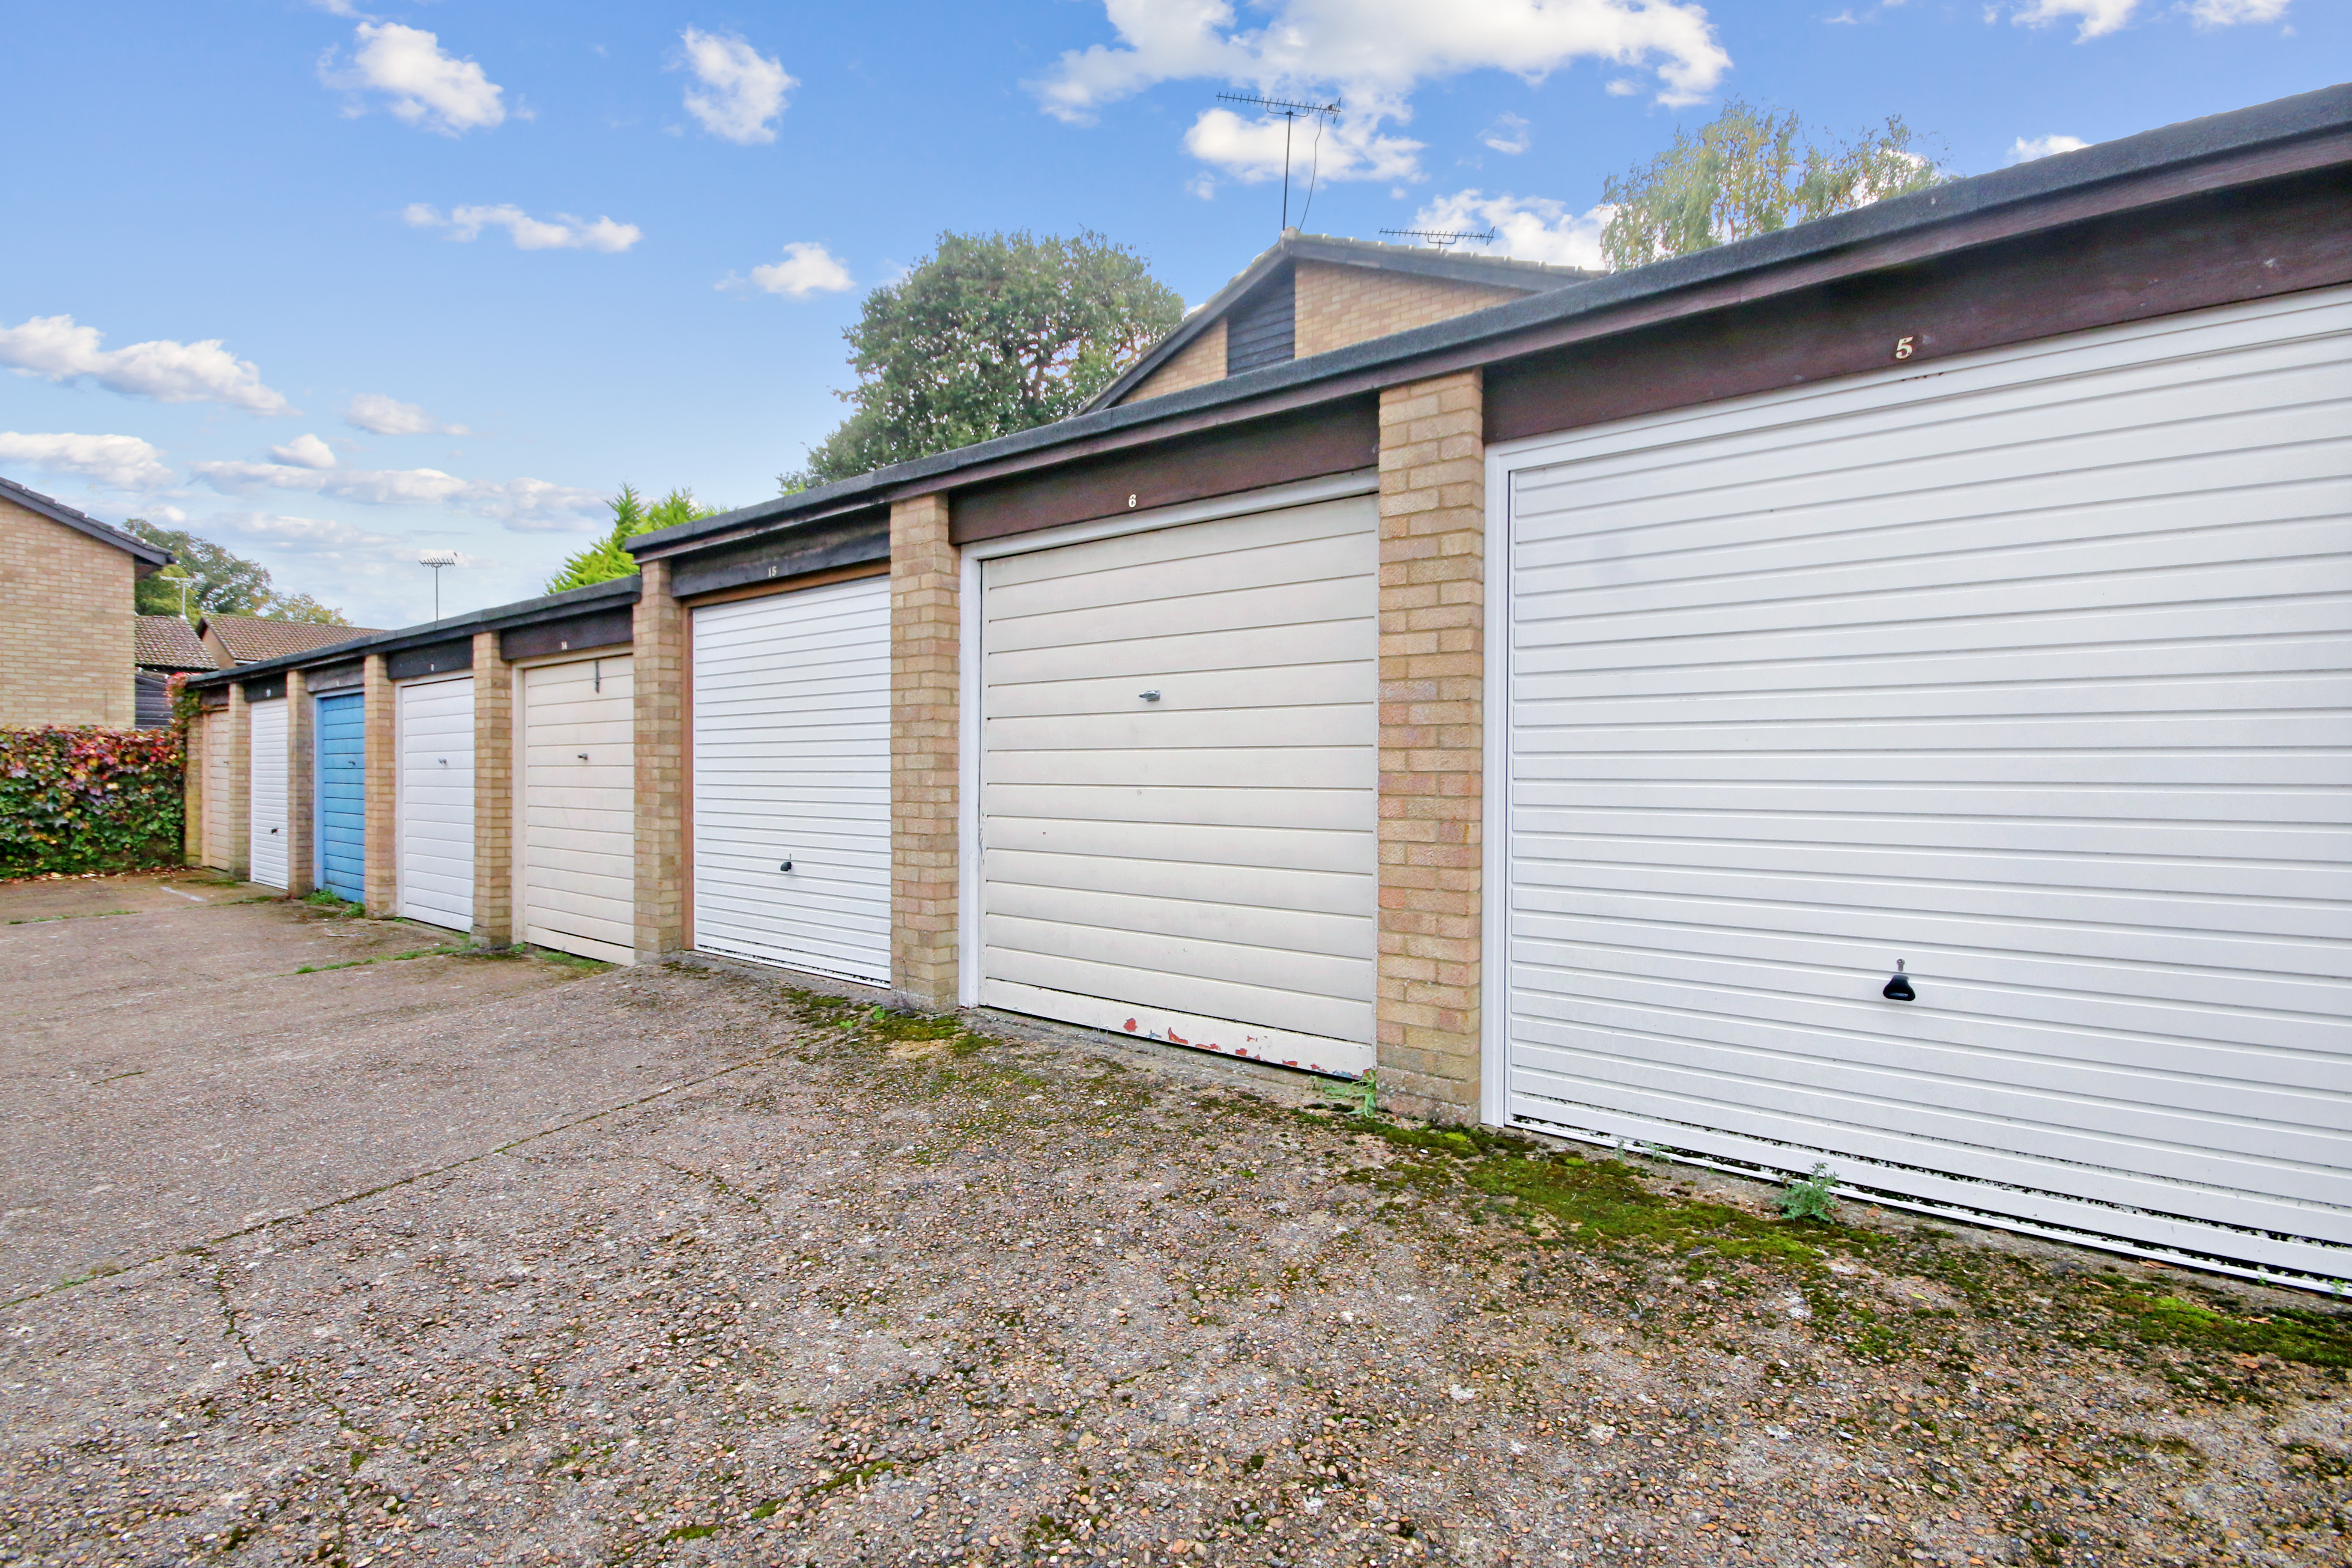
pixel 333 282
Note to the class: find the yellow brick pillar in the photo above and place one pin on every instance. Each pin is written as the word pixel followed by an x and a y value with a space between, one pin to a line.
pixel 239 807
pixel 926 634
pixel 494 792
pixel 658 663
pixel 191 790
pixel 301 786
pixel 1432 742
pixel 382 861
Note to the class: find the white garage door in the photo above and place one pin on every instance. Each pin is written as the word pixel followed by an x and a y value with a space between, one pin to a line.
pixel 216 807
pixel 1176 812
pixel 437 801
pixel 270 863
pixel 792 779
pixel 2030 672
pixel 576 882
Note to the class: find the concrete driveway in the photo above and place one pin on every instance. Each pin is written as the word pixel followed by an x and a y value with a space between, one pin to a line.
pixel 466 1259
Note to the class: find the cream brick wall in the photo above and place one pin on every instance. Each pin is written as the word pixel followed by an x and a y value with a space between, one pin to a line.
pixel 1432 742
pixel 494 787
pixel 1337 305
pixel 1197 363
pixel 380 771
pixel 657 663
pixel 926 634
pixel 65 626
pixel 238 805
pixel 302 786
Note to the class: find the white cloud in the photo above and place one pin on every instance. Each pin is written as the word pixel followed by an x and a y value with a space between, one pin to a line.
pixel 2231 13
pixel 1507 134
pixel 299 533
pixel 1373 53
pixel 380 416
pixel 565 233
pixel 305 452
pixel 1531 228
pixel 807 270
pixel 741 92
pixel 528 505
pixel 1251 151
pixel 2027 147
pixel 116 462
pixel 426 85
pixel 52 345
pixel 2098 17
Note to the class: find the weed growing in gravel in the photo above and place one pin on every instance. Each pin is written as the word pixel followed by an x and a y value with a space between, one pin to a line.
pixel 1810 1197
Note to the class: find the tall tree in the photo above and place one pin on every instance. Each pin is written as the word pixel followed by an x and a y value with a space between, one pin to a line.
pixel 991 334
pixel 1746 173
pixel 607 559
pixel 221 582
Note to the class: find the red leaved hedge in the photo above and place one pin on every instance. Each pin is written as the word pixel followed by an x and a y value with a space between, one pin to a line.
pixel 89 800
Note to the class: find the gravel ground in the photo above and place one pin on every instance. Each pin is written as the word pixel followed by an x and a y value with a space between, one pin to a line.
pixel 849 1289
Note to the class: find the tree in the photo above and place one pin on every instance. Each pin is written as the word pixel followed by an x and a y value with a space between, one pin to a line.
pixel 607 559
pixel 1745 174
pixel 221 582
pixel 992 334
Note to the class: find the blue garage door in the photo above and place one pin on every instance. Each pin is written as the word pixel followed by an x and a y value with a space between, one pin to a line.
pixel 343 796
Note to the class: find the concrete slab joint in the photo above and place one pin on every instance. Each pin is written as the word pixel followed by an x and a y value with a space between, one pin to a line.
pixel 1432 743
pixel 658 631
pixel 926 629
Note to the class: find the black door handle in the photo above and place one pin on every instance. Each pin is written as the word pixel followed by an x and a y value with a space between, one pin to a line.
pixel 1899 990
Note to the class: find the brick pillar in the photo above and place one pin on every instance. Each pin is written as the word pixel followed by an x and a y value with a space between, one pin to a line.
pixel 301 786
pixel 926 634
pixel 657 666
pixel 494 792
pixel 192 791
pixel 1431 741
pixel 382 867
pixel 239 804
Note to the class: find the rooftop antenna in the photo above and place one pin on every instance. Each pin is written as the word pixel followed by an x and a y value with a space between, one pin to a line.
pixel 1440 238
pixel 1289 111
pixel 437 559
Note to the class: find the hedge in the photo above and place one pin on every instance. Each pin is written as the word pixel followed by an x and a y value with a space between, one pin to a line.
pixel 90 800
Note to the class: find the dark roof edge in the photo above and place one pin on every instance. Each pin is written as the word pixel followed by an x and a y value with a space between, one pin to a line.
pixel 744 522
pixel 56 511
pixel 2190 143
pixel 522 612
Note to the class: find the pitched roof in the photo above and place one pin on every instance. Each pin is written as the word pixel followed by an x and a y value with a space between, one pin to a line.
pixel 1490 271
pixel 56 511
pixel 249 638
pixel 167 642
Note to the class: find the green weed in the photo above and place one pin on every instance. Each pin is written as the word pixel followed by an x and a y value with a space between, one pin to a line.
pixel 1812 1197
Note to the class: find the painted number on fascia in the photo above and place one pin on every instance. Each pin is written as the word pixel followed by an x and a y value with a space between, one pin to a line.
pixel 1905 346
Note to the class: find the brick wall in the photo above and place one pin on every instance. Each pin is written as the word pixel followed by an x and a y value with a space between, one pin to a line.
pixel 237 803
pixel 494 792
pixel 1337 305
pixel 381 772
pixel 302 786
pixel 659 666
pixel 65 626
pixel 1197 363
pixel 1432 743
pixel 926 631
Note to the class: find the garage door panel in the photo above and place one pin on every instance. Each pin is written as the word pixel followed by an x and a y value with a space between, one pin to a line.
pixel 434 803
pixel 576 857
pixel 1283 887
pixel 1183 851
pixel 1998 1033
pixel 265 734
pixel 1315 1053
pixel 2034 676
pixel 1851 1097
pixel 1150 985
pixel 791 764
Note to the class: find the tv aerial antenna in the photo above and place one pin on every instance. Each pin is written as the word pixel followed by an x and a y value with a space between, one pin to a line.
pixel 438 559
pixel 1291 113
pixel 1440 238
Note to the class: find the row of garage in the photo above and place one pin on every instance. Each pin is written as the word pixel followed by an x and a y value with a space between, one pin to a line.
pixel 2015 665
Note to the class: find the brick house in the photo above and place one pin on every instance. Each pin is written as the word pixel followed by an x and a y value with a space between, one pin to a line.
pixel 232 640
pixel 1869 694
pixel 165 646
pixel 65 612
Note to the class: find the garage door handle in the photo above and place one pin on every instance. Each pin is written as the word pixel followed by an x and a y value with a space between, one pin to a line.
pixel 786 866
pixel 1899 990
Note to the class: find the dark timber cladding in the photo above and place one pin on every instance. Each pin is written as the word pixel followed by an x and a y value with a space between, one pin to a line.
pixel 597 629
pixel 262 690
pixel 2211 248
pixel 858 540
pixel 434 659
pixel 335 678
pixel 1335 438
pixel 1262 329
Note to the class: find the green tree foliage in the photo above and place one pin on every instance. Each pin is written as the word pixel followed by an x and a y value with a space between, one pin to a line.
pixel 1750 173
pixel 992 334
pixel 89 800
pixel 607 557
pixel 221 582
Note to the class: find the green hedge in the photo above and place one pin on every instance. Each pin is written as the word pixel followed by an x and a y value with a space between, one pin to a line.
pixel 90 800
